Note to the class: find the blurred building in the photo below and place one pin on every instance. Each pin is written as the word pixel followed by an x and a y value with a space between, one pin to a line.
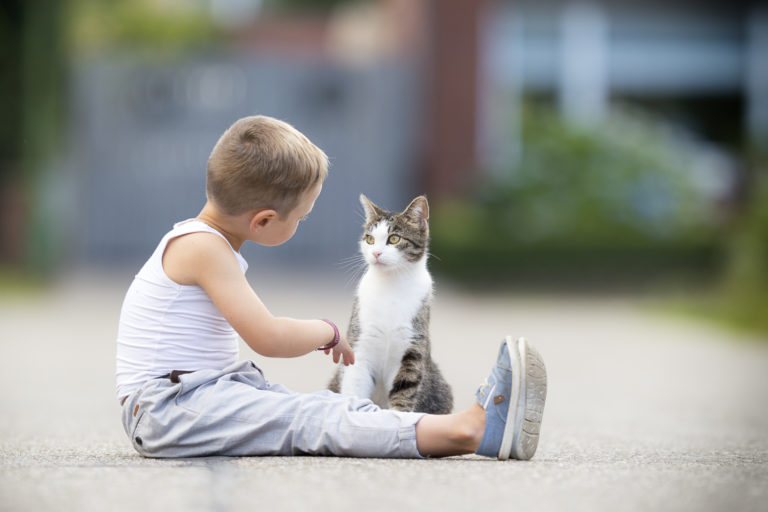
pixel 700 64
pixel 405 96
pixel 143 126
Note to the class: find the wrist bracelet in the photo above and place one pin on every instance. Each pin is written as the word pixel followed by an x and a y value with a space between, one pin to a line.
pixel 336 336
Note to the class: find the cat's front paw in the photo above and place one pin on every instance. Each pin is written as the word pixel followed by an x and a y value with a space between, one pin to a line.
pixel 357 381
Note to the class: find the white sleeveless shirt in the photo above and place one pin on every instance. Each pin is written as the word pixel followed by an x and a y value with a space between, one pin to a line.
pixel 167 326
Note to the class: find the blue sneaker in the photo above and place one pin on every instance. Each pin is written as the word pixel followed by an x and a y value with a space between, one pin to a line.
pixel 513 397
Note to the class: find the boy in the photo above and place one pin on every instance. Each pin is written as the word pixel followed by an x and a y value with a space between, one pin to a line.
pixel 184 394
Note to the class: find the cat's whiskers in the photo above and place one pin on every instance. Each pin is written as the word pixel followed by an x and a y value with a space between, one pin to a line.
pixel 356 275
pixel 354 266
pixel 350 260
pixel 432 255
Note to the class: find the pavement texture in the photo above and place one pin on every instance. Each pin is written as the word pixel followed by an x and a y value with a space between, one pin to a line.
pixel 645 411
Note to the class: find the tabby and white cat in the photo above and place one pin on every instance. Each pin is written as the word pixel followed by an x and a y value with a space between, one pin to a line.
pixel 389 328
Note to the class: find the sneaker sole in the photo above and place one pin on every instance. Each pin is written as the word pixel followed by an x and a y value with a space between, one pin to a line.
pixel 528 394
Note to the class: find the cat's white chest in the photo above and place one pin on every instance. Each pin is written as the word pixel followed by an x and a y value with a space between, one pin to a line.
pixel 390 302
pixel 387 305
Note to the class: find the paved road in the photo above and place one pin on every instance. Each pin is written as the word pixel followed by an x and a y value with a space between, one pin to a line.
pixel 645 412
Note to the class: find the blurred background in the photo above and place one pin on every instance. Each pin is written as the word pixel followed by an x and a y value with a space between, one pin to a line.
pixel 564 145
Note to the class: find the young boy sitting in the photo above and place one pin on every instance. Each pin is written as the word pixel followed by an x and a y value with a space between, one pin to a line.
pixel 183 391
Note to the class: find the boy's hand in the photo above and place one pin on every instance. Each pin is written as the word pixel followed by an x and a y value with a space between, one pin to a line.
pixel 342 351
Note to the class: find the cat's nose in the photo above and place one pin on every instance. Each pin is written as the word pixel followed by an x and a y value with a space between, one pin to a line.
pixel 376 254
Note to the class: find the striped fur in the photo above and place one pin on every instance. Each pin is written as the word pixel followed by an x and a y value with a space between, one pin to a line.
pixel 389 327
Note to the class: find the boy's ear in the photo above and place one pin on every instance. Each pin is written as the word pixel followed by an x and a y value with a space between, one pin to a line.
pixel 371 210
pixel 260 220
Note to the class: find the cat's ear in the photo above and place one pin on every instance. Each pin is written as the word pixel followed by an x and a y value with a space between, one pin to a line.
pixel 371 210
pixel 418 210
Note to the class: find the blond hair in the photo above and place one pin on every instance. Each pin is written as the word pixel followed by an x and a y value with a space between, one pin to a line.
pixel 262 162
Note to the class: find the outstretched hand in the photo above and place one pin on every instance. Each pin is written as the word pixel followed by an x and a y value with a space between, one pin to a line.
pixel 342 351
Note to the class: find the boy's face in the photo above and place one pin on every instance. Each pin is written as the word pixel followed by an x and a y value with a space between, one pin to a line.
pixel 281 228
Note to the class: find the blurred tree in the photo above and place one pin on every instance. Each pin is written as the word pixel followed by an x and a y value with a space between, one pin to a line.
pixel 10 128
pixel 32 52
pixel 97 26
pixel 616 200
pixel 745 292
pixel 10 88
pixel 307 5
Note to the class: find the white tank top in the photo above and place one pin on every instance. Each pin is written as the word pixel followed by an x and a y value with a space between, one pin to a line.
pixel 167 326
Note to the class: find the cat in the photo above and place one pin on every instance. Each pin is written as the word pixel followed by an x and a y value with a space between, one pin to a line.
pixel 389 326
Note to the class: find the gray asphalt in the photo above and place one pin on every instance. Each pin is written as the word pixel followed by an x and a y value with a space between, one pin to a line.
pixel 646 411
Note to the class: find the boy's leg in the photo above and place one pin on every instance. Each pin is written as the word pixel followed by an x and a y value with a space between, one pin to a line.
pixel 451 434
pixel 506 420
pixel 327 423
pixel 236 412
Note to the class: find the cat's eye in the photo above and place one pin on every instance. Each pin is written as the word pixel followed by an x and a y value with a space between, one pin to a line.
pixel 369 239
pixel 393 239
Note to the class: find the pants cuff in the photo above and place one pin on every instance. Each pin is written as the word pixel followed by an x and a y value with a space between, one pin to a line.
pixel 407 436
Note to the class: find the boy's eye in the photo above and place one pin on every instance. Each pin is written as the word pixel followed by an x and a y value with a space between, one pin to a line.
pixel 393 239
pixel 369 239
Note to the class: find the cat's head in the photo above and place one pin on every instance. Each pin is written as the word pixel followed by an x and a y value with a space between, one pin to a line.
pixel 393 241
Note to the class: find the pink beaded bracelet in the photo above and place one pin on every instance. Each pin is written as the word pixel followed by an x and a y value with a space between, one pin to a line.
pixel 336 336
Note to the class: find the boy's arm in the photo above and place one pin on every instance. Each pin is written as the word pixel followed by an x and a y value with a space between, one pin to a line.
pixel 206 260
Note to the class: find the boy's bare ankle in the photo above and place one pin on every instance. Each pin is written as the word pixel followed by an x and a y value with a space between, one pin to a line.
pixel 474 424
pixel 479 415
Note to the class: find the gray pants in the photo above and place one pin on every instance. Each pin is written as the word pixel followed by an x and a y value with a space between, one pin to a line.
pixel 236 412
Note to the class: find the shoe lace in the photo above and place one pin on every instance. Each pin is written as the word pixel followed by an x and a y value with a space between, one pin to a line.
pixel 487 384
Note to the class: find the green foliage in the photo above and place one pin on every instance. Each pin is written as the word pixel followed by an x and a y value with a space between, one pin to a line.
pixel 11 87
pixel 17 283
pixel 32 110
pixel 618 197
pixel 98 25
pixel 744 299
pixel 307 5
pixel 31 87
